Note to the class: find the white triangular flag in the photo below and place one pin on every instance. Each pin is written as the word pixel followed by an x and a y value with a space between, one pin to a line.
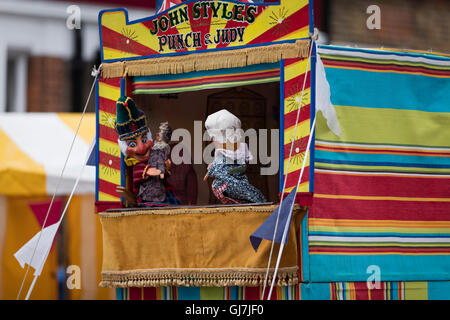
pixel 25 253
pixel 323 98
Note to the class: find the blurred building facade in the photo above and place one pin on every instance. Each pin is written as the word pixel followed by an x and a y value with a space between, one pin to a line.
pixel 46 58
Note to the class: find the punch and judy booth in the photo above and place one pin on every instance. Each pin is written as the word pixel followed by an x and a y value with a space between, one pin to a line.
pixel 190 48
pixel 367 224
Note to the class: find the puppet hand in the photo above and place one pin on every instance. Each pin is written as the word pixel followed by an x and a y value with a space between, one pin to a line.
pixel 153 172
pixel 207 169
pixel 168 163
pixel 127 195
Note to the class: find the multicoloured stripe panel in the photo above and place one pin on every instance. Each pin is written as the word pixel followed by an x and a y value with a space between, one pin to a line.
pixel 109 156
pixel 382 191
pixel 414 290
pixel 200 80
pixel 201 25
pixel 296 94
pixel 204 293
pixel 398 290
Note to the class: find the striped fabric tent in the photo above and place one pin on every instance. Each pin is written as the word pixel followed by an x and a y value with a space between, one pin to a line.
pixel 381 196
pixel 33 149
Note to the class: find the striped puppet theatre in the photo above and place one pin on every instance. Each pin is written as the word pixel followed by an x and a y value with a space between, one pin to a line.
pixel 382 191
pixel 379 220
pixel 197 45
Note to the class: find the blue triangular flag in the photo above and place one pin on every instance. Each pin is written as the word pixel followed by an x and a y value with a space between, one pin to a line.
pixel 91 161
pixel 266 230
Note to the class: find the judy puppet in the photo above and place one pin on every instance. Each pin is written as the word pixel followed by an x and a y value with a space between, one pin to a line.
pixel 230 160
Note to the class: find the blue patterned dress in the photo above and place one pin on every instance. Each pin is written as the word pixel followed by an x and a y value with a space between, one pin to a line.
pixel 231 177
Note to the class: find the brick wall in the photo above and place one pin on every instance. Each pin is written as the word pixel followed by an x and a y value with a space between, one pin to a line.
pixel 47 85
pixel 407 24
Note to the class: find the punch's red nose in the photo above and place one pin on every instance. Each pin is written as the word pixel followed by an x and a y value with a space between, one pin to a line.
pixel 141 148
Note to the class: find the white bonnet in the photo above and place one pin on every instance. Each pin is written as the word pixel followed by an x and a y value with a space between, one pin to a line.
pixel 223 125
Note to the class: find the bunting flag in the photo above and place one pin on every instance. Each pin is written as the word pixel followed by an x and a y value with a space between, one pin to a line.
pixel 162 5
pixel 35 251
pixel 92 160
pixel 323 96
pixel 267 229
pixel 382 194
pixel 40 210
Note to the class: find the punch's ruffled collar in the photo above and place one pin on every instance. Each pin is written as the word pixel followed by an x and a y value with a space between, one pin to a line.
pixel 130 161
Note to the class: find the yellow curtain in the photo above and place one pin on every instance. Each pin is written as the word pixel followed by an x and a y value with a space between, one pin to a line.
pixel 84 248
pixel 192 247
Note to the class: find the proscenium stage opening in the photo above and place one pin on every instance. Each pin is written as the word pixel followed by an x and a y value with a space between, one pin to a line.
pixel 257 106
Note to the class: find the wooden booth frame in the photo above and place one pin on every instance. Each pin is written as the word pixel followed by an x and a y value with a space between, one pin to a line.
pixel 276 33
pixel 126 52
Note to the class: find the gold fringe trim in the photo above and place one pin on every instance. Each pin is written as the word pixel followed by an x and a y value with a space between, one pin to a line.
pixel 181 210
pixel 206 61
pixel 196 278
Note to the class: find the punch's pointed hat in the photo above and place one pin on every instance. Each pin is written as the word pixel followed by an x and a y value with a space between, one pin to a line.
pixel 131 121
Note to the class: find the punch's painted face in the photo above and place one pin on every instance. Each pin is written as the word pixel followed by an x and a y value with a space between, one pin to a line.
pixel 139 148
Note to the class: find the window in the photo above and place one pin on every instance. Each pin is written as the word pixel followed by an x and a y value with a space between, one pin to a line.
pixel 16 82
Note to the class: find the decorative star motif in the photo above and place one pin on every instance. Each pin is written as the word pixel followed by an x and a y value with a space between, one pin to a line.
pixel 298 152
pixel 295 94
pixel 279 26
pixel 108 120
pixel 127 40
pixel 109 157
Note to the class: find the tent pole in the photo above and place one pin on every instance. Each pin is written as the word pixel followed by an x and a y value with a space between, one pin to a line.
pixel 31 287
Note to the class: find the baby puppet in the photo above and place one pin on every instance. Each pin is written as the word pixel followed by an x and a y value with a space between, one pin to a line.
pixel 230 159
pixel 154 189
